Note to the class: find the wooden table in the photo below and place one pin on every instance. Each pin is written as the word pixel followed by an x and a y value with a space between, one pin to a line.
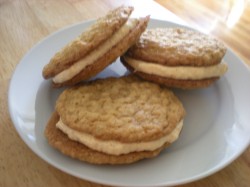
pixel 24 22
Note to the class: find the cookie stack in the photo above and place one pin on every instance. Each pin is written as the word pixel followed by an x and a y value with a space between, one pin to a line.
pixel 112 121
pixel 177 57
pixel 108 38
pixel 129 118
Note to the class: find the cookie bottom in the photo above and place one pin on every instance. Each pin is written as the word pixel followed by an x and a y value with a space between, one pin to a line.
pixel 183 84
pixel 60 141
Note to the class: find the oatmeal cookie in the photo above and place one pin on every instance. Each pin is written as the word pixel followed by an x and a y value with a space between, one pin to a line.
pixel 177 57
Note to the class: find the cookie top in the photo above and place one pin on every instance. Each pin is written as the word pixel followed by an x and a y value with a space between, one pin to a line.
pixel 178 46
pixel 125 109
pixel 96 34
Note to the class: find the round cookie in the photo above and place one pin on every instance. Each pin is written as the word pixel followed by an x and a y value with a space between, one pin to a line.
pixel 176 57
pixel 121 120
pixel 60 141
pixel 97 47
pixel 109 57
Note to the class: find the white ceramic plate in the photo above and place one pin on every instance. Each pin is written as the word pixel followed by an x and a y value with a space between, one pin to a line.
pixel 216 129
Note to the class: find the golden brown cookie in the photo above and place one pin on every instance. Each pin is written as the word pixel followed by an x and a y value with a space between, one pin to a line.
pixel 121 120
pixel 60 141
pixel 97 47
pixel 110 56
pixel 176 57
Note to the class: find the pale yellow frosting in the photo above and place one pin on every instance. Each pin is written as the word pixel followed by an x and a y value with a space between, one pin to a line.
pixel 177 72
pixel 115 147
pixel 97 53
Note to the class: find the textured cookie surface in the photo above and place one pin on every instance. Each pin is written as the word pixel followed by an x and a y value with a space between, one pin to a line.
pixel 110 56
pixel 125 109
pixel 60 141
pixel 177 46
pixel 96 34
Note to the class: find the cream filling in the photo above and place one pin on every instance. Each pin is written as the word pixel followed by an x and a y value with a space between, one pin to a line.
pixel 113 147
pixel 96 54
pixel 177 72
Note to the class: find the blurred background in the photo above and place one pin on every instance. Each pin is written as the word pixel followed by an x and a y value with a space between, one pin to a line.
pixel 229 20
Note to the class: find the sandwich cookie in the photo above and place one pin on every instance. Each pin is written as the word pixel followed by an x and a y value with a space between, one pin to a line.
pixel 177 57
pixel 115 120
pixel 97 47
